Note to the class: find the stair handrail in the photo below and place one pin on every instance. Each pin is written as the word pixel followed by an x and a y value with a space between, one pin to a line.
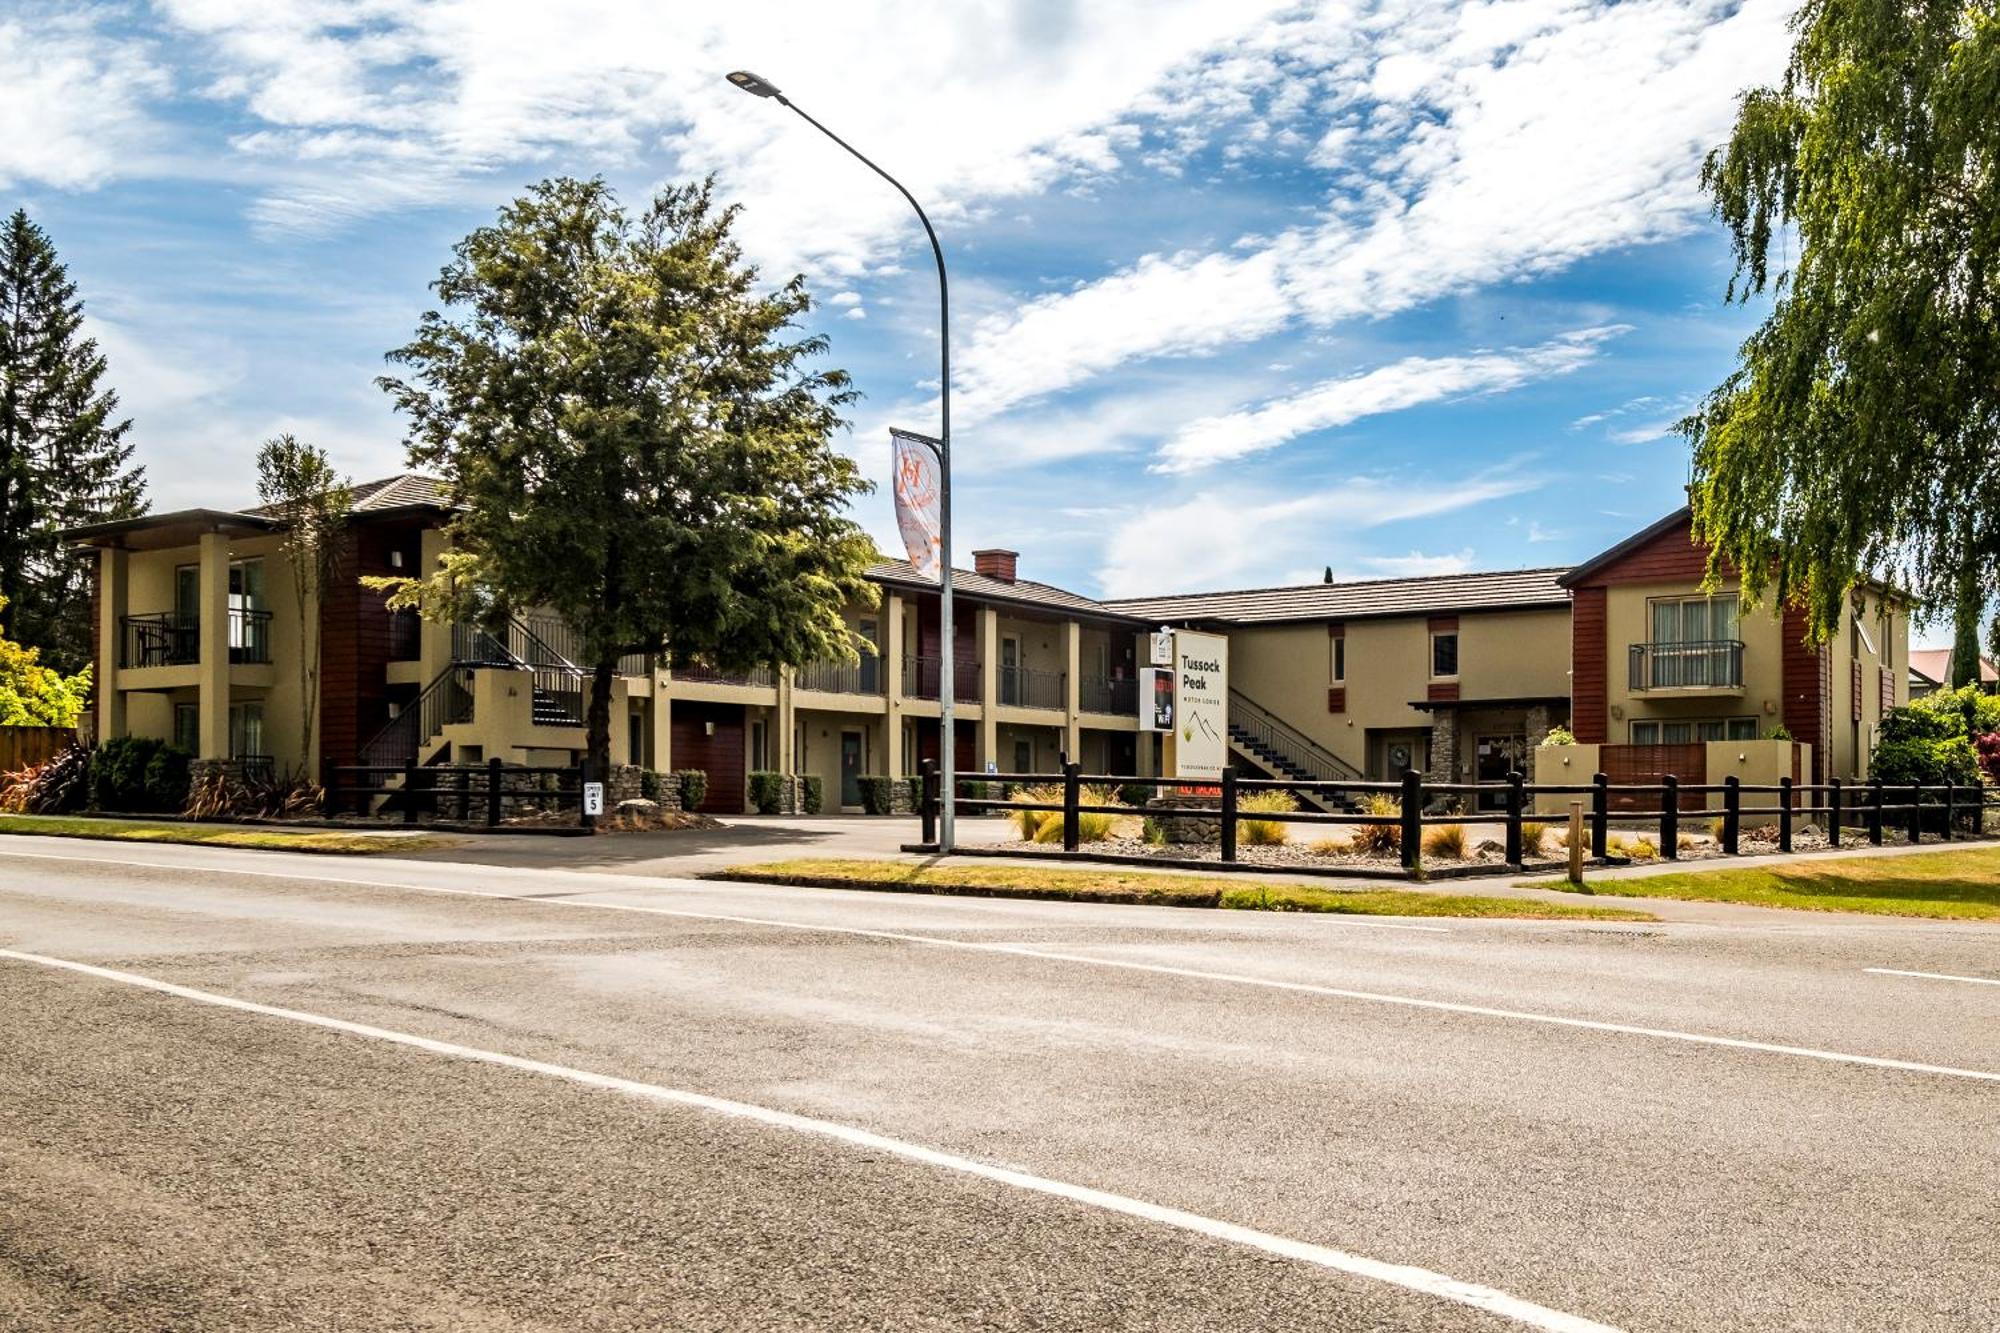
pixel 514 645
pixel 1288 741
pixel 444 702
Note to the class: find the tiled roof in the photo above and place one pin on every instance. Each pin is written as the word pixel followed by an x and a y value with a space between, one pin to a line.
pixel 967 583
pixel 399 492
pixel 1501 590
pixel 1934 664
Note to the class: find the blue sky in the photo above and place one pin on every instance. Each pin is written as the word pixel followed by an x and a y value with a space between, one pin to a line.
pixel 1241 290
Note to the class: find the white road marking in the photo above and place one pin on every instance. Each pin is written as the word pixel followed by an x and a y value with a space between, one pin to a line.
pixel 1127 965
pixel 1932 976
pixel 1409 1277
pixel 646 881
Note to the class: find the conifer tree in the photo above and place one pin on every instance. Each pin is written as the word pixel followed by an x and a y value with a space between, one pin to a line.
pixel 64 460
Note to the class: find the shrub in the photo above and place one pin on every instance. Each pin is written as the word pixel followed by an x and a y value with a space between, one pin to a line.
pixel 1778 733
pixel 1559 736
pixel 1029 822
pixel 1924 745
pixel 812 794
pixel 1988 749
pixel 1154 831
pixel 59 786
pixel 1134 794
pixel 1642 849
pixel 1384 836
pixel 118 771
pixel 1980 713
pixel 254 797
pixel 649 784
pixel 1265 832
pixel 694 787
pixel 1531 837
pixel 875 794
pixel 767 791
pixel 914 784
pixel 167 778
pixel 1445 840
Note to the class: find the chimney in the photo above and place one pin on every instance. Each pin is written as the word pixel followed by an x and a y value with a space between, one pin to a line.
pixel 995 563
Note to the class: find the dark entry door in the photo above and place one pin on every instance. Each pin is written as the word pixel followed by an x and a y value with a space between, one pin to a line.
pixel 850 768
pixel 1496 757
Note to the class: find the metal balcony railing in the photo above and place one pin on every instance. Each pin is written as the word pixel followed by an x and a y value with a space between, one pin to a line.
pixel 1698 664
pixel 920 678
pixel 862 677
pixel 760 676
pixel 1025 687
pixel 249 636
pixel 1106 694
pixel 164 638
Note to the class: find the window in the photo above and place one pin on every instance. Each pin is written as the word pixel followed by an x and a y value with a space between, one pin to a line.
pixel 1338 652
pixel 187 727
pixel 1695 730
pixel 1444 653
pixel 1694 642
pixel 246 731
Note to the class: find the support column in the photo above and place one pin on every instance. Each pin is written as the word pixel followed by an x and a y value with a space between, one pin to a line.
pixel 988 634
pixel 213 673
pixel 1444 744
pixel 434 637
pixel 893 652
pixel 1073 690
pixel 113 582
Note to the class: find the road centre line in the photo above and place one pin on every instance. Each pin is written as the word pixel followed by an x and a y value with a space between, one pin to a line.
pixel 1127 965
pixel 1932 976
pixel 1409 1277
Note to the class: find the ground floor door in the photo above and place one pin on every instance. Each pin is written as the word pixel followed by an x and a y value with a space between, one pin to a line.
pixel 711 737
pixel 1494 757
pixel 1391 753
pixel 851 760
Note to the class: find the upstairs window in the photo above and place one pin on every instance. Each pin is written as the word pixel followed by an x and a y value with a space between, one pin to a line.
pixel 1337 655
pixel 1444 654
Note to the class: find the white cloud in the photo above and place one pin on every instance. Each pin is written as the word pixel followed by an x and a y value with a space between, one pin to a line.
pixel 73 100
pixel 1418 565
pixel 1242 532
pixel 1407 383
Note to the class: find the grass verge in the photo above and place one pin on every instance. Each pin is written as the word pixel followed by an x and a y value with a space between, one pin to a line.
pixel 219 835
pixel 1955 885
pixel 1112 885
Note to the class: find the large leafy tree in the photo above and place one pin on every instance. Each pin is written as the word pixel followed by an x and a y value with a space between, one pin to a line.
pixel 1861 431
pixel 300 487
pixel 64 461
pixel 637 438
pixel 33 695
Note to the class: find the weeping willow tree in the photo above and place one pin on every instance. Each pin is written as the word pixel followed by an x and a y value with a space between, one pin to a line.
pixel 1860 433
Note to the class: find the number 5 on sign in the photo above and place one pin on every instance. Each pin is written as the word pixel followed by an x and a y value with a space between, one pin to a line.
pixel 593 798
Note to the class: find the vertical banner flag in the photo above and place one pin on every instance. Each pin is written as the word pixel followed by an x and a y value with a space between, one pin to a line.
pixel 918 497
pixel 1201 705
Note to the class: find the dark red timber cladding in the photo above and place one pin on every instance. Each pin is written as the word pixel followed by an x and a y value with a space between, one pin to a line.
pixel 719 754
pixel 1444 693
pixel 1887 686
pixel 1336 699
pixel 1588 653
pixel 1804 680
pixel 100 676
pixel 1645 765
pixel 1443 624
pixel 354 639
pixel 1855 691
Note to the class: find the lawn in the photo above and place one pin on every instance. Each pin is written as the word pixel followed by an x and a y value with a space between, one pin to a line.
pixel 1960 885
pixel 219 835
pixel 1112 885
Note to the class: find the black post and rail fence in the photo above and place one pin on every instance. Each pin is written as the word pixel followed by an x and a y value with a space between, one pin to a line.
pixel 1652 809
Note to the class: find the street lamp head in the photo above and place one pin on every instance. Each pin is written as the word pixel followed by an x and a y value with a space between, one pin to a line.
pixel 750 83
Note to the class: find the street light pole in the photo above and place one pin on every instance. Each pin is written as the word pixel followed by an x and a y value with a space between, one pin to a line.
pixel 758 87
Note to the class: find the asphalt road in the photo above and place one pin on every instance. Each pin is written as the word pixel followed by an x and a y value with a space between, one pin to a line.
pixel 426 1096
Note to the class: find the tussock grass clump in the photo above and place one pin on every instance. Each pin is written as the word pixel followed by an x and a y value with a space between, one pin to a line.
pixel 1684 843
pixel 1265 832
pixel 1642 849
pixel 1386 836
pixel 1331 847
pixel 1446 840
pixel 1046 826
pixel 1029 822
pixel 1532 835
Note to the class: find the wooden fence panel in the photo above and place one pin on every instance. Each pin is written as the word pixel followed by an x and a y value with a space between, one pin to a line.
pixel 1645 765
pixel 24 747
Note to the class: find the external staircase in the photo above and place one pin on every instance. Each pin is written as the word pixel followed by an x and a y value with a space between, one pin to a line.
pixel 417 734
pixel 1261 737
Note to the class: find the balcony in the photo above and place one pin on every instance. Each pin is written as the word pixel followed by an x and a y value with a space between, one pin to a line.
pixel 862 677
pixel 249 637
pixel 1705 664
pixel 1024 687
pixel 920 678
pixel 162 639
pixel 707 675
pixel 1102 694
